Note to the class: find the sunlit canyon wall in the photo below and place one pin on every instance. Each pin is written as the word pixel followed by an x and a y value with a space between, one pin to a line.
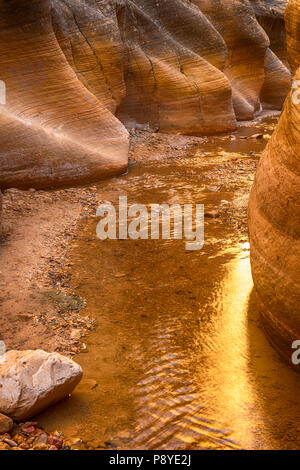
pixel 78 72
pixel 274 212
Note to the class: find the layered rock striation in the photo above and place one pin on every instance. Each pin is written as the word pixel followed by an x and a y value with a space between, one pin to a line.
pixel 54 131
pixel 274 214
pixel 77 73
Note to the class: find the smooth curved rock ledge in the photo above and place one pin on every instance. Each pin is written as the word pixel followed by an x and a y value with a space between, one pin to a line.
pixel 77 72
pixel 54 131
pixel 274 216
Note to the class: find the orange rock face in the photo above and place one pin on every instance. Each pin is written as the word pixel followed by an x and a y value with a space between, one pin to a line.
pixel 293 33
pixel 76 72
pixel 274 215
pixel 54 131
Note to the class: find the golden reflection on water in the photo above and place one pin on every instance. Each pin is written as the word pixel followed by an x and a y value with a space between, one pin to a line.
pixel 178 355
pixel 228 390
pixel 180 360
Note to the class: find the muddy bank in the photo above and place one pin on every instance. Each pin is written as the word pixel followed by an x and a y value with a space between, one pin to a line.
pixel 38 310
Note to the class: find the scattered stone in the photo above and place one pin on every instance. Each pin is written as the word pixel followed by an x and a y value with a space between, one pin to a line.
pixel 212 214
pixel 28 428
pixel 75 334
pixel 19 438
pixel 87 385
pixel 10 442
pixel 55 441
pixel 40 447
pixel 124 435
pixel 6 424
pixel 4 446
pixel 24 446
pixel 40 378
pixel 42 439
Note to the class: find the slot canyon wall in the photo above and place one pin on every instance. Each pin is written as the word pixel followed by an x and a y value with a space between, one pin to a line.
pixel 274 213
pixel 78 72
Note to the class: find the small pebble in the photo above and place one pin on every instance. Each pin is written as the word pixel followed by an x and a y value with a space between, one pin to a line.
pixel 10 442
pixel 212 214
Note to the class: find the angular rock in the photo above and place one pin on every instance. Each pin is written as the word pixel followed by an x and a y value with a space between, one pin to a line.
pixel 31 381
pixel 42 439
pixel 10 442
pixel 4 446
pixel 6 424
pixel 55 441
pixel 42 447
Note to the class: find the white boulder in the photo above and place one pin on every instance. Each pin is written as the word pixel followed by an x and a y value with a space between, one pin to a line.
pixel 31 381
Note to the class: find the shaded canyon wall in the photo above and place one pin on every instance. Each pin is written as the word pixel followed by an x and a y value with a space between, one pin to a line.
pixel 54 131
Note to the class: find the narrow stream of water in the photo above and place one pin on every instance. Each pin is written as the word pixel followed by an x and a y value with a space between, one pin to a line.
pixel 178 359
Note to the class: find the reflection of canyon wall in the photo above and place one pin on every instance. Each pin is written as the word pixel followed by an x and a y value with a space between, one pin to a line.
pixel 78 70
pixel 274 213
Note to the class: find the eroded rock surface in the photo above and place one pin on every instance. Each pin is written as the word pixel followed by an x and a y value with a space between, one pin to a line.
pixel 6 424
pixel 77 71
pixel 274 215
pixel 293 33
pixel 53 130
pixel 31 381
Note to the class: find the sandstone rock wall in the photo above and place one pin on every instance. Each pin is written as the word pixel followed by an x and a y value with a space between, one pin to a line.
pixel 76 71
pixel 293 34
pixel 270 15
pixel 179 66
pixel 53 130
pixel 274 215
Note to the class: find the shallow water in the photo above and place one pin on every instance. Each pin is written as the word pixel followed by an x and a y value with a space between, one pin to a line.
pixel 178 359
